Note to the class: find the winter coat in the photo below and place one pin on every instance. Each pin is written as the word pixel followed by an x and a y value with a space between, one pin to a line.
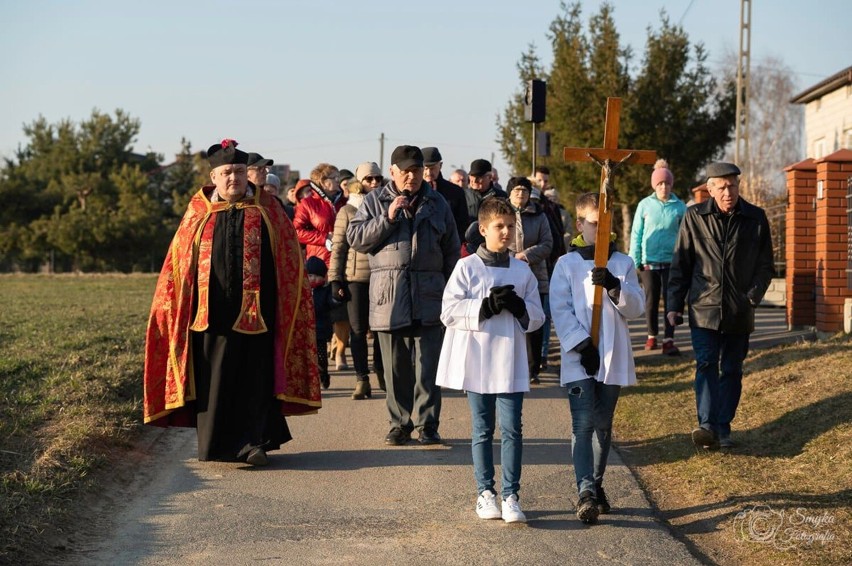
pixel 538 244
pixel 410 259
pixel 571 299
pixel 314 222
pixel 722 266
pixel 458 204
pixel 346 263
pixel 654 231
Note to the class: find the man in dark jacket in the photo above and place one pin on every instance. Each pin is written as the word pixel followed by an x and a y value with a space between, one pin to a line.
pixel 722 266
pixel 409 234
pixel 432 162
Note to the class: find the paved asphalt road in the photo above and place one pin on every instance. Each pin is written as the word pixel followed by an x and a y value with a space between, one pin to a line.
pixel 337 495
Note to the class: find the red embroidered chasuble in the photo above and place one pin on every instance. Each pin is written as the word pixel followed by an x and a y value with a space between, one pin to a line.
pixel 168 379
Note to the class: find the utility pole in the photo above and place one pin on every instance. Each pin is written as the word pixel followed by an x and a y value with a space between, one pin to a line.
pixel 382 152
pixel 741 150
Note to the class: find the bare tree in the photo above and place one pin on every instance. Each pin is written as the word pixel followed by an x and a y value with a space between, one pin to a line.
pixel 775 129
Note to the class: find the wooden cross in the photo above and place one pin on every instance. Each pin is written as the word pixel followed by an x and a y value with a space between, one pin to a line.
pixel 609 158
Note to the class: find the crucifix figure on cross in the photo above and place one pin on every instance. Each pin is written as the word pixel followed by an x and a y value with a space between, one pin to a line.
pixel 610 159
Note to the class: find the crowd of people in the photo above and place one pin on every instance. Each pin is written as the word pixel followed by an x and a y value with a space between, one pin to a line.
pixel 451 284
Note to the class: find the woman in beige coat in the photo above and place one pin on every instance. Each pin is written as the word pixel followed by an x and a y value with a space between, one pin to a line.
pixel 349 273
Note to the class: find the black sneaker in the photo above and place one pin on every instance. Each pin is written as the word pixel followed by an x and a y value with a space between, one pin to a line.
pixel 587 508
pixel 397 437
pixel 603 503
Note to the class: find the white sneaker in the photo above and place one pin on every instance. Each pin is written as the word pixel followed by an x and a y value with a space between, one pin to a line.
pixel 486 506
pixel 512 510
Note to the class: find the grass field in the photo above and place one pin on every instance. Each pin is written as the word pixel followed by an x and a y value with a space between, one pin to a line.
pixel 71 351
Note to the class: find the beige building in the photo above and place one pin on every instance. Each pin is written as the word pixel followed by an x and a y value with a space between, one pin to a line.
pixel 828 114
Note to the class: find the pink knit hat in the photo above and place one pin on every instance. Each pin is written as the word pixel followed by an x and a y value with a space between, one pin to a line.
pixel 661 173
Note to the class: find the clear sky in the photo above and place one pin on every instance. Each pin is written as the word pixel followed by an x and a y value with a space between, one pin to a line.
pixel 306 81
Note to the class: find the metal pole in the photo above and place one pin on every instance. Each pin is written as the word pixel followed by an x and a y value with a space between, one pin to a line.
pixel 382 153
pixel 533 148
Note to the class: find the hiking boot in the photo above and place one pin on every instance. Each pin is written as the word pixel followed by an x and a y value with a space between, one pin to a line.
pixel 512 510
pixel 587 508
pixel 669 348
pixel 397 437
pixel 362 389
pixel 257 457
pixel 486 506
pixel 603 503
pixel 705 438
pixel 651 343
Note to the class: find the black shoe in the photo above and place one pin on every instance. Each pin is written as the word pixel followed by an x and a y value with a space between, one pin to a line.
pixel 705 438
pixel 257 457
pixel 325 380
pixel 587 508
pixel 534 380
pixel 397 437
pixel 543 365
pixel 603 503
pixel 429 436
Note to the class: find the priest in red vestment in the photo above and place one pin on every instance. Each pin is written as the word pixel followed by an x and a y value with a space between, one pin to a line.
pixel 230 347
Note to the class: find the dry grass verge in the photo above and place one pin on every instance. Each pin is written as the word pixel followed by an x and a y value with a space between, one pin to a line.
pixel 784 495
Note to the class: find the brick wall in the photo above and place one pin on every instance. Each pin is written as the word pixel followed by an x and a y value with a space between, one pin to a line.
pixel 801 244
pixel 831 249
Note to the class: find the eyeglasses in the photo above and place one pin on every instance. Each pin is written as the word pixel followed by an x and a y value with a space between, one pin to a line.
pixel 371 178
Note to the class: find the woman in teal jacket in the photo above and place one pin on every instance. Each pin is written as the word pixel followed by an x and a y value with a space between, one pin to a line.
pixel 652 241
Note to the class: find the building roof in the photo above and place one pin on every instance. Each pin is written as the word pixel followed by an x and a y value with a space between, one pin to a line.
pixel 822 88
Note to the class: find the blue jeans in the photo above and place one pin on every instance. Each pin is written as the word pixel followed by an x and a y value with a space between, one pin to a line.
pixel 483 409
pixel 592 407
pixel 717 394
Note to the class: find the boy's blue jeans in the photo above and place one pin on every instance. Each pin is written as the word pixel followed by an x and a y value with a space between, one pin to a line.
pixel 483 410
pixel 592 407
pixel 717 393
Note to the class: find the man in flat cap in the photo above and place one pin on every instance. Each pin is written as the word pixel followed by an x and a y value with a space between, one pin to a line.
pixel 480 188
pixel 721 267
pixel 230 346
pixel 408 232
pixel 258 169
pixel 432 162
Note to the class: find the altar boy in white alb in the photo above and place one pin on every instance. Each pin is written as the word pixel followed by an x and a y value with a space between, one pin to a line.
pixel 593 376
pixel 490 301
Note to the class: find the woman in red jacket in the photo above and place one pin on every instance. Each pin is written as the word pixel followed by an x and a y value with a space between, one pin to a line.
pixel 314 222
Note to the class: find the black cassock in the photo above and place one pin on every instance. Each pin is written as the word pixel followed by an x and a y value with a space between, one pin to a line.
pixel 234 374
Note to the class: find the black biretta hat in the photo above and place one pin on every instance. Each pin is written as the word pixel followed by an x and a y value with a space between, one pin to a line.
pixel 225 153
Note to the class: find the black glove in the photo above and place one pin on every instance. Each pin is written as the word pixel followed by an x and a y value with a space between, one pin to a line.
pixel 340 291
pixel 601 276
pixel 491 304
pixel 590 359
pixel 514 304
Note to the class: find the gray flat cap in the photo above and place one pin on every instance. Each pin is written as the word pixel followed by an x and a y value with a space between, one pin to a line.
pixel 722 169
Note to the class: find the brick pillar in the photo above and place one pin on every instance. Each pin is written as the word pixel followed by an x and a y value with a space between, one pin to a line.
pixel 833 171
pixel 800 241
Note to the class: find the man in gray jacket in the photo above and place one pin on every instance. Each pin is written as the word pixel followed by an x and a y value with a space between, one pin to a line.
pixel 408 231
pixel 722 266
